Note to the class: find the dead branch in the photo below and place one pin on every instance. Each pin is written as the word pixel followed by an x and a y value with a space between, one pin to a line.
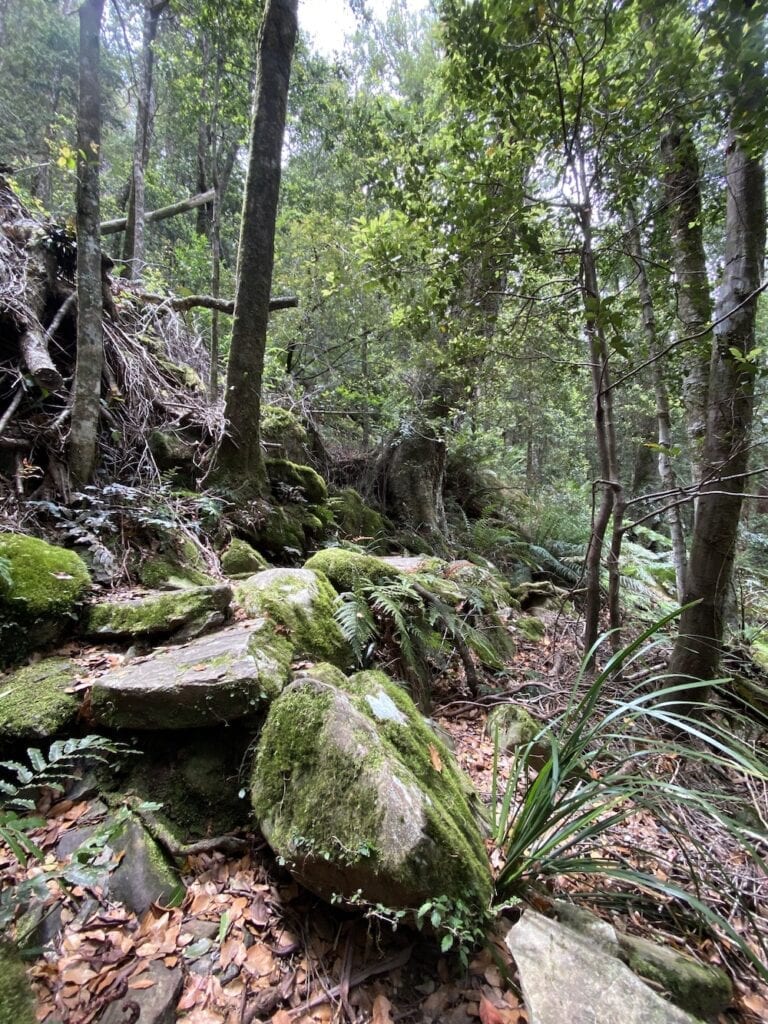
pixel 185 303
pixel 114 227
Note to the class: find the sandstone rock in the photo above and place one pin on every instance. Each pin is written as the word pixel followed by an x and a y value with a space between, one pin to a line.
pixel 161 614
pixel 216 679
pixel 357 794
pixel 566 976
pixel 301 603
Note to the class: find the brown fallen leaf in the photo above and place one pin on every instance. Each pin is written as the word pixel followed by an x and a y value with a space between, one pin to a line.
pixel 488 1012
pixel 434 757
pixel 282 1017
pixel 382 1010
pixel 139 983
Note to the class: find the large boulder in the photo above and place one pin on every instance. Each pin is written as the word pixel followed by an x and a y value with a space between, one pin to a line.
pixel 37 702
pixel 360 798
pixel 358 522
pixel 216 679
pixel 41 589
pixel 302 604
pixel 240 559
pixel 159 614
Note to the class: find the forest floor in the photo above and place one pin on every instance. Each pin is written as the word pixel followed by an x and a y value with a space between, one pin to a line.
pixel 257 947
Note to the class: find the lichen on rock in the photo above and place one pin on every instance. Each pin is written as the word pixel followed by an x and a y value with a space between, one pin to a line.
pixel 302 604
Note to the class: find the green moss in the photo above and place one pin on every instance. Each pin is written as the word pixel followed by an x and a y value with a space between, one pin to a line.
pixel 532 628
pixel 154 615
pixel 282 531
pixel 179 566
pixel 16 1002
pixel 47 585
pixel 357 521
pixel 240 557
pixel 283 428
pixel 290 474
pixel 347 569
pixel 303 604
pixel 332 810
pixel 33 701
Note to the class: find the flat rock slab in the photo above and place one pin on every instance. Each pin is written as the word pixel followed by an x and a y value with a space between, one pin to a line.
pixel 36 702
pixel 567 977
pixel 158 614
pixel 216 679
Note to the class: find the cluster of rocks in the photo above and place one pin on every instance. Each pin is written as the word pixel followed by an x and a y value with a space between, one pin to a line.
pixel 350 785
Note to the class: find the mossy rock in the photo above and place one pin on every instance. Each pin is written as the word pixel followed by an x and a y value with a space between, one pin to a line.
pixel 282 531
pixel 285 475
pixel 355 792
pixel 348 569
pixel 17 1004
pixel 283 430
pixel 513 726
pixel 357 521
pixel 41 602
pixel 302 604
pixel 700 989
pixel 239 557
pixel 530 627
pixel 159 615
pixel 34 702
pixel 179 566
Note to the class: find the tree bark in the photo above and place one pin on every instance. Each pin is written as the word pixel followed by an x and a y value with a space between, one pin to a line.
pixel 697 650
pixel 133 244
pixel 239 456
pixel 663 418
pixel 694 301
pixel 90 350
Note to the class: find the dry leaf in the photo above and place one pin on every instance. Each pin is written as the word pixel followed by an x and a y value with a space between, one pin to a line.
pixel 488 1012
pixel 434 757
pixel 282 1017
pixel 139 983
pixel 381 1010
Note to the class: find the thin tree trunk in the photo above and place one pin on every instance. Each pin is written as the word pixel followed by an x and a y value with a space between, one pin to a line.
pixel 133 245
pixel 664 421
pixel 612 493
pixel 239 456
pixel 694 301
pixel 87 386
pixel 697 650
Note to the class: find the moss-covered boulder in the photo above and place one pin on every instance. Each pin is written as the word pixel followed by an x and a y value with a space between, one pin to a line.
pixel 17 1005
pixel 282 532
pixel 302 604
pixel 358 522
pixel 34 702
pixel 177 566
pixel 286 476
pixel 159 615
pixel 217 679
pixel 356 793
pixel 240 558
pixel 348 569
pixel 283 434
pixel 41 590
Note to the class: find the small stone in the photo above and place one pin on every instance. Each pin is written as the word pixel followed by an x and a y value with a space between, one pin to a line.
pixel 157 1005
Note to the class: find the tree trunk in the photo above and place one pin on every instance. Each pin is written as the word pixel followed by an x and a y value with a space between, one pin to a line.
pixel 133 245
pixel 239 458
pixel 694 302
pixel 731 400
pixel 612 494
pixel 114 227
pixel 90 350
pixel 664 421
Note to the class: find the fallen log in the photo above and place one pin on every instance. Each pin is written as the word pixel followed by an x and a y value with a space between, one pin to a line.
pixel 33 343
pixel 184 303
pixel 114 227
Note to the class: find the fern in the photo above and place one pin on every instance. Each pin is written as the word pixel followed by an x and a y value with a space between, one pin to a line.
pixel 357 625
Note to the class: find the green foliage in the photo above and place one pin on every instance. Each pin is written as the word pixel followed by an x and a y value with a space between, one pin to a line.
pixel 460 929
pixel 558 821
